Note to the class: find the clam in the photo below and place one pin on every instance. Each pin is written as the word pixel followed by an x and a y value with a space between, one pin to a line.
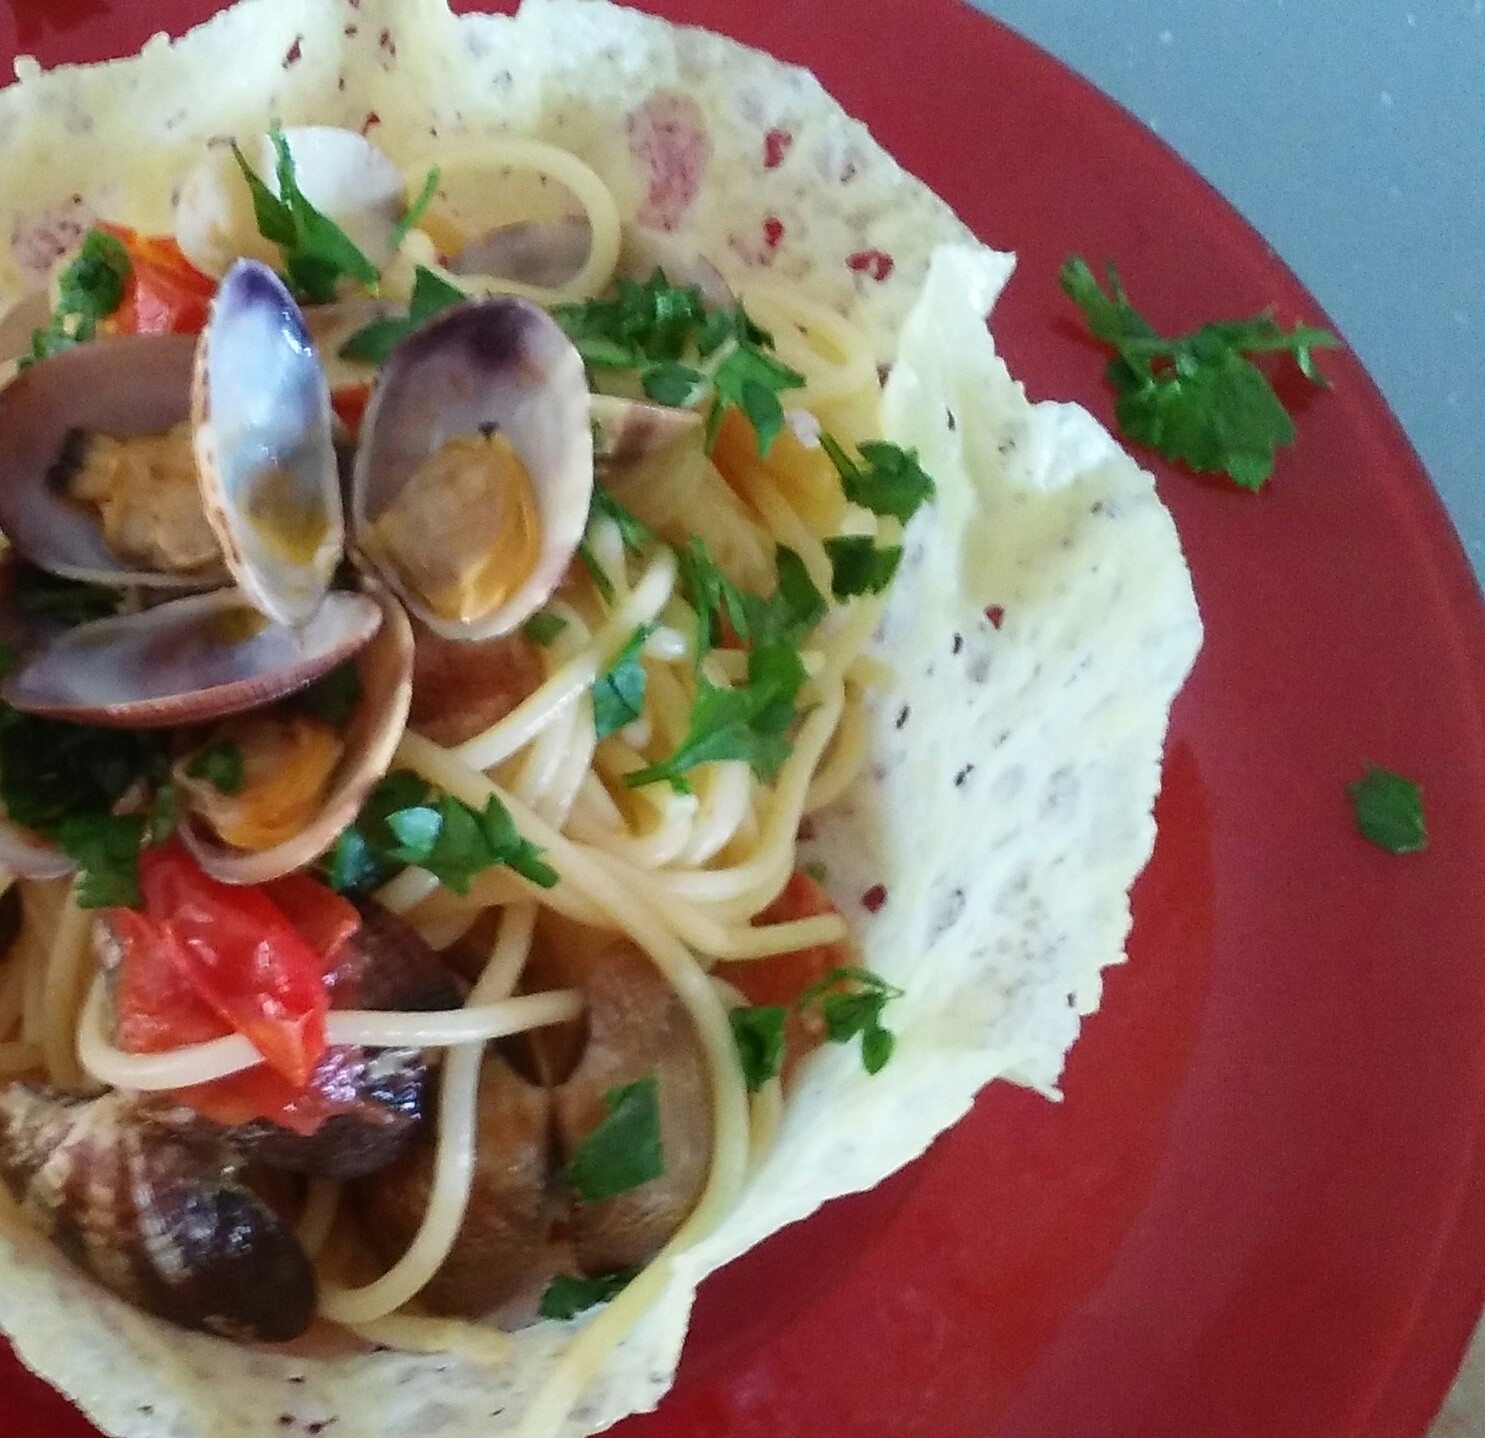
pixel 340 172
pixel 265 452
pixel 187 661
pixel 164 1221
pixel 68 423
pixel 475 472
pixel 359 758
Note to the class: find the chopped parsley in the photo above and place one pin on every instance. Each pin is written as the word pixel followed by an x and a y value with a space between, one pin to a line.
pixel 89 290
pixel 431 295
pixel 619 692
pixel 851 1001
pixel 1196 397
pixel 544 627
pixel 750 722
pixel 758 1033
pixel 636 534
pixel 416 210
pixel 681 353
pixel 220 765
pixel 1389 811
pixel 68 601
pixel 624 1151
pixel 565 1296
pixel 63 780
pixel 714 597
pixel 405 822
pixel 886 479
pixel 790 613
pixel 317 254
pixel 857 566
pixel 333 698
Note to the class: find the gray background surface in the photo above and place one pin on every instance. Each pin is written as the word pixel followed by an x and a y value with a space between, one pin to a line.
pixel 1351 133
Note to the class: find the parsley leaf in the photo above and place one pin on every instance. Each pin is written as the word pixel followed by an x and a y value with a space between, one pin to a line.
pixel 886 479
pixel 749 723
pixel 712 595
pixel 851 1001
pixel 164 814
pixel 758 1032
pixel 317 254
pixel 795 607
pixel 750 380
pixel 361 858
pixel 624 1151
pixel 69 601
pixel 635 533
pixel 221 766
pixel 431 295
pixel 644 323
pixel 596 572
pixel 454 842
pixel 544 627
pixel 1389 811
pixel 89 289
pixel 1195 397
pixel 334 697
pixel 105 848
pixel 619 693
pixel 673 384
pixel 51 770
pixel 416 210
pixel 857 566
pixel 565 1296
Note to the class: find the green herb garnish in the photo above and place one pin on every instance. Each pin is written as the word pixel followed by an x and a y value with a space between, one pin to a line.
pixel 857 566
pixel 1389 811
pixel 1196 397
pixel 624 1151
pixel 886 479
pixel 758 1032
pixel 619 692
pixel 68 601
pixel 432 294
pixel 565 1296
pixel 90 288
pixel 851 1001
pixel 333 698
pixel 750 722
pixel 317 254
pixel 220 765
pixel 416 210
pixel 544 627
pixel 105 848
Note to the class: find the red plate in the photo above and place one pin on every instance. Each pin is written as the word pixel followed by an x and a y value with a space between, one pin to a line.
pixel 1260 1210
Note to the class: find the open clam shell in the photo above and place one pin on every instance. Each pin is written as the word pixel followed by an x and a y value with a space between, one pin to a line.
pixel 187 661
pixel 136 385
pixel 384 668
pixel 265 452
pixel 496 365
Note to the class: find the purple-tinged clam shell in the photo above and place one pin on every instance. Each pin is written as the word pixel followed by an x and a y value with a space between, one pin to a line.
pixel 384 668
pixel 162 1220
pixel 121 388
pixel 265 451
pixel 187 661
pixel 496 365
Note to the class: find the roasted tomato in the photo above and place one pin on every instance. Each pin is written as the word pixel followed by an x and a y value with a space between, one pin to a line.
pixel 166 293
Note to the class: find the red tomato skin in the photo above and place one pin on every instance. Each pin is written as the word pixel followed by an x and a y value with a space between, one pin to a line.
pixel 166 293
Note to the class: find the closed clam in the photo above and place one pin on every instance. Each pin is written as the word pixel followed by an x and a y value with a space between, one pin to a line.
pixel 475 473
pixel 164 1221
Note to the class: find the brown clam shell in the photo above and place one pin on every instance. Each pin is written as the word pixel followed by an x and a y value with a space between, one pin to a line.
pixel 159 1219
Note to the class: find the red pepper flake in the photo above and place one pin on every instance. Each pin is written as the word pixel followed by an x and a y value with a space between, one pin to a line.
pixel 876 264
pixel 773 231
pixel 296 53
pixel 775 146
pixel 874 898
pixel 371 121
pixel 995 613
pixel 806 830
pixel 387 43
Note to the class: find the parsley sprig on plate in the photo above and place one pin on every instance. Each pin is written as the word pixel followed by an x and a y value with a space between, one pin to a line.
pixel 89 290
pixel 1196 397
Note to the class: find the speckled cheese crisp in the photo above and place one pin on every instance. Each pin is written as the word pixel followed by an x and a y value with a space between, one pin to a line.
pixel 1042 623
